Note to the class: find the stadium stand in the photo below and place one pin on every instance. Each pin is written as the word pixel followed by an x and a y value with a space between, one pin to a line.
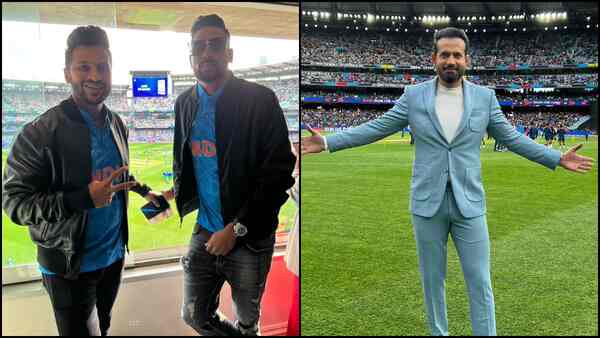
pixel 150 120
pixel 540 77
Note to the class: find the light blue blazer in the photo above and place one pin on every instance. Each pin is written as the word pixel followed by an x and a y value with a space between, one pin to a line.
pixel 436 160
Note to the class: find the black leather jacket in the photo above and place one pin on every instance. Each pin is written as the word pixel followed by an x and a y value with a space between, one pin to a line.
pixel 45 184
pixel 254 156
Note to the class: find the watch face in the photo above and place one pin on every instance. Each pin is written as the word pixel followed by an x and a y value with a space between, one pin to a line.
pixel 240 229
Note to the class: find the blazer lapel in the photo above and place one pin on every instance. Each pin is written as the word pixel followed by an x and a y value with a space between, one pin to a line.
pixel 429 99
pixel 467 98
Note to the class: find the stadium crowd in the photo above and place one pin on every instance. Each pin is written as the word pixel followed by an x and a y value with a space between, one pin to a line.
pixel 345 117
pixel 22 103
pixel 487 49
pixel 493 80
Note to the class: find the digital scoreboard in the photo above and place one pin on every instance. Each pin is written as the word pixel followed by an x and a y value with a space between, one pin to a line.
pixel 150 84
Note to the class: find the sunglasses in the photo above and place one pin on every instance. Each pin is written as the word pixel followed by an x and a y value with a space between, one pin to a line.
pixel 214 45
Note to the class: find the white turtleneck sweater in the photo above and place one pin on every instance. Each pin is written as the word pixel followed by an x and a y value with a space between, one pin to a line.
pixel 449 109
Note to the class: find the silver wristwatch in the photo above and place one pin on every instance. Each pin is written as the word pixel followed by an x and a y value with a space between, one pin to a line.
pixel 239 230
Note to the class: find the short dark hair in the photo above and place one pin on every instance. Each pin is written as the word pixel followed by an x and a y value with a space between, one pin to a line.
pixel 212 20
pixel 450 32
pixel 86 36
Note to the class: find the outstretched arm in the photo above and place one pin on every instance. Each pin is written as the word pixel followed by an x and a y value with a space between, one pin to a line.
pixel 391 122
pixel 516 142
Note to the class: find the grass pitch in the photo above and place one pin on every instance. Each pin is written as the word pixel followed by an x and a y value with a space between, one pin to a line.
pixel 148 163
pixel 359 267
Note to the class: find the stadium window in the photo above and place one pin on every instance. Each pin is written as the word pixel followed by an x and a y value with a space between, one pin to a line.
pixel 32 85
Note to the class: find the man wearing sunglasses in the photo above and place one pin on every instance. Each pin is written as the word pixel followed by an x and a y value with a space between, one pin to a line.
pixel 232 162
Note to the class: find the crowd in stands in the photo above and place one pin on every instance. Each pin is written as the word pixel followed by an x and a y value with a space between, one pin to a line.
pixel 540 119
pixel 151 135
pixel 516 98
pixel 286 91
pixel 531 81
pixel 338 117
pixel 345 117
pixel 493 80
pixel 21 105
pixel 524 99
pixel 487 49
pixel 339 95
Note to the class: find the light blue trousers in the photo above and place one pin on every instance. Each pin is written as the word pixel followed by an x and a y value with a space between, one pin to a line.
pixel 470 236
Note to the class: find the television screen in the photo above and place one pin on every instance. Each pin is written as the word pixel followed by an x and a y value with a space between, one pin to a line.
pixel 150 86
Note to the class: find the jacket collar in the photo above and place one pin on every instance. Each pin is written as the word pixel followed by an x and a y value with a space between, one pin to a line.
pixel 72 111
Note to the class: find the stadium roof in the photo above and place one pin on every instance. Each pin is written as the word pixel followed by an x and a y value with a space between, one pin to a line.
pixel 266 20
pixel 263 71
pixel 288 68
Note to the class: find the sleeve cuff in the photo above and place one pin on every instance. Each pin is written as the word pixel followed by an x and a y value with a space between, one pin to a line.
pixel 552 158
pixel 141 190
pixel 325 142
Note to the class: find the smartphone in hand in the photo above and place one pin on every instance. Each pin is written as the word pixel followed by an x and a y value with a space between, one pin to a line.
pixel 156 214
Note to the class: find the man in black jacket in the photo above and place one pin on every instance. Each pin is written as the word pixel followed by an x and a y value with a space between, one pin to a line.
pixel 58 181
pixel 232 162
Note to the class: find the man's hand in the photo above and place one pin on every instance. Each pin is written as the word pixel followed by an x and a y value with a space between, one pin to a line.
pixel 573 162
pixel 221 242
pixel 168 194
pixel 313 143
pixel 152 197
pixel 103 191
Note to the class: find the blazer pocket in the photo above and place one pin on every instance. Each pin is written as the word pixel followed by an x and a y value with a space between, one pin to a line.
pixel 421 182
pixel 473 184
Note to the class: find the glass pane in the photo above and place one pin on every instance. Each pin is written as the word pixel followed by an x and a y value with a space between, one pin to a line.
pixel 33 81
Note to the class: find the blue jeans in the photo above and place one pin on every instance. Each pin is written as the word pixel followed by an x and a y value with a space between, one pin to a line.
pixel 244 268
pixel 470 237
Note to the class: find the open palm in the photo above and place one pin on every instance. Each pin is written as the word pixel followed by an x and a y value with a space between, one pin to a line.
pixel 313 143
pixel 577 163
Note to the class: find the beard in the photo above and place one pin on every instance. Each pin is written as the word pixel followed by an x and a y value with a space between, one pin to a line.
pixel 210 71
pixel 450 76
pixel 91 96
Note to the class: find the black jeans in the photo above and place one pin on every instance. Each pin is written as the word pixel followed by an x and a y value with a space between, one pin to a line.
pixel 80 304
pixel 245 269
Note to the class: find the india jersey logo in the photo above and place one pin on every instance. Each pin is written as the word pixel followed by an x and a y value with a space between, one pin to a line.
pixel 204 149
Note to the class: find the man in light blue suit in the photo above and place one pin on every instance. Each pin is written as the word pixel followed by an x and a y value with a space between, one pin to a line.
pixel 448 117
